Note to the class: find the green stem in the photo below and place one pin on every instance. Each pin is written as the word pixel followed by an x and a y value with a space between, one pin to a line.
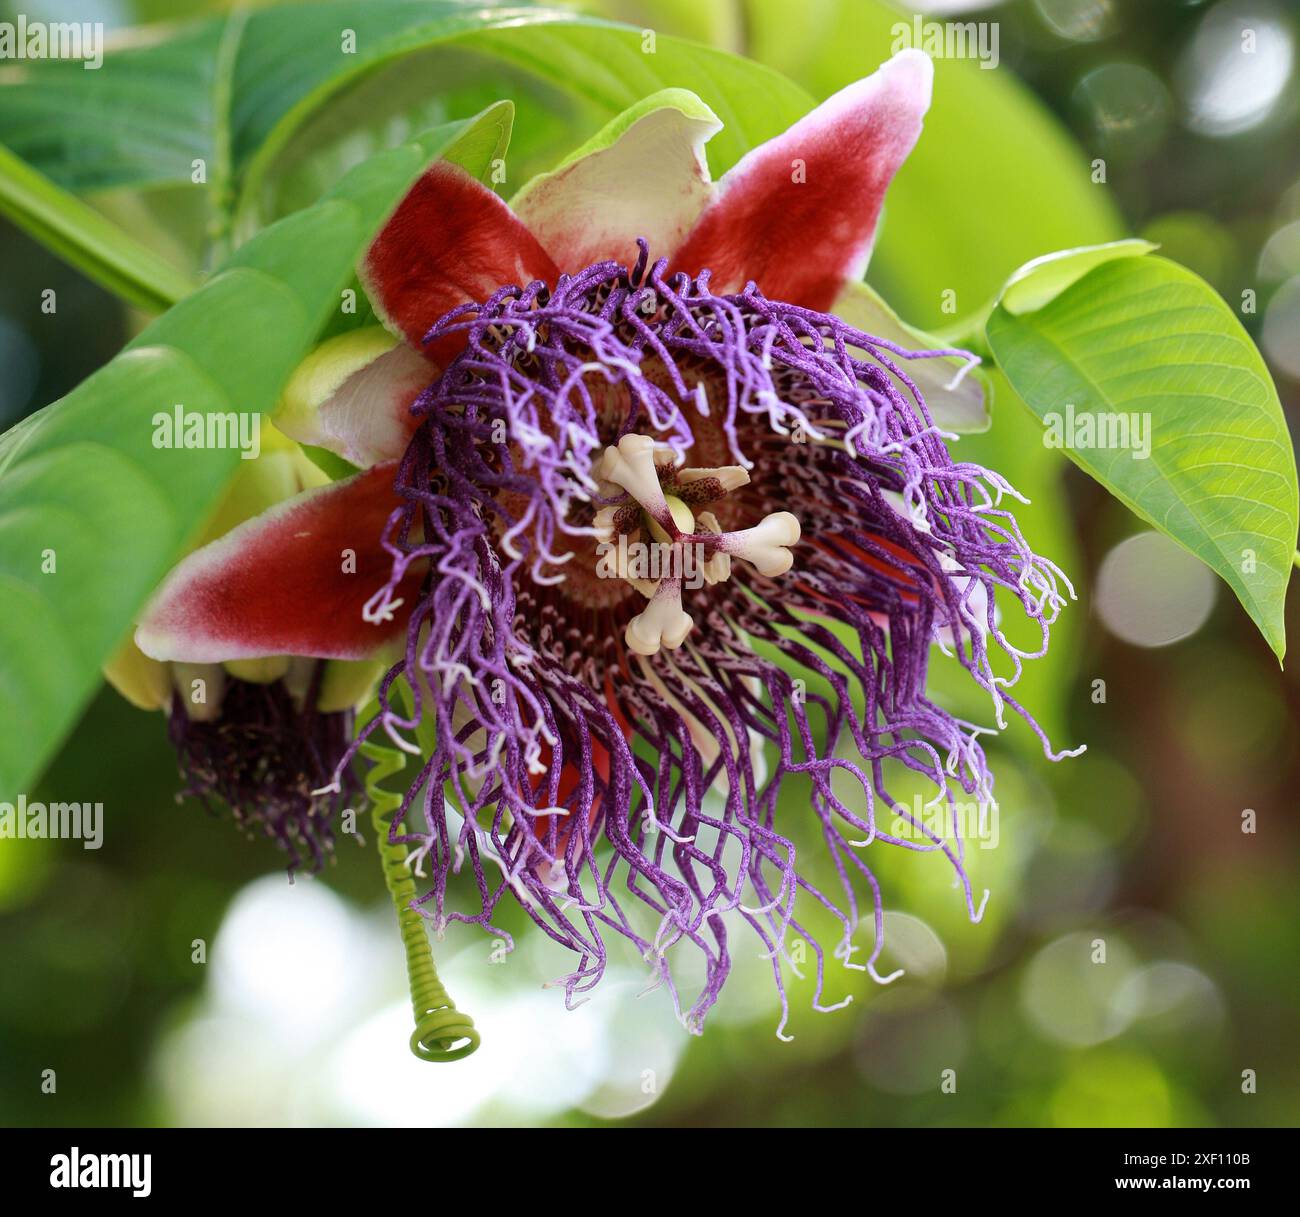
pixel 222 183
pixel 87 240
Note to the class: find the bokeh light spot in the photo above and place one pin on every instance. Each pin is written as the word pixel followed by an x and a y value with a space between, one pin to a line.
pixel 1280 257
pixel 1127 106
pixel 1151 592
pixel 281 956
pixel 1171 997
pixel 1236 67
pixel 1078 20
pixel 1281 334
pixel 1069 989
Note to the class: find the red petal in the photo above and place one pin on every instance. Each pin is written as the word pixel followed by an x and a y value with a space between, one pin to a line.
pixel 906 573
pixel 282 583
pixel 451 240
pixel 800 240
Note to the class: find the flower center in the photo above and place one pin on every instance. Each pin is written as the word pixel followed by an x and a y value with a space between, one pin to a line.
pixel 644 496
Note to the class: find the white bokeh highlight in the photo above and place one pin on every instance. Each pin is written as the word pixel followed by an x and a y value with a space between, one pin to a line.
pixel 305 1021
pixel 1151 592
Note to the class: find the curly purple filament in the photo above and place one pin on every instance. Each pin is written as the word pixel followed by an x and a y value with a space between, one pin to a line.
pixel 265 756
pixel 614 792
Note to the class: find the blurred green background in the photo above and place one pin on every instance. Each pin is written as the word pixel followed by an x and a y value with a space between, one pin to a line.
pixel 297 1014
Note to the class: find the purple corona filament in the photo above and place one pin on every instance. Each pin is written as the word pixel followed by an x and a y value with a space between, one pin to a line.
pixel 611 790
pixel 265 756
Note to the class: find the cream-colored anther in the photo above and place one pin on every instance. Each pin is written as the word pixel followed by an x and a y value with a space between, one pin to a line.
pixel 716 569
pixel 604 524
pixel 632 466
pixel 730 477
pixel 766 545
pixel 620 561
pixel 661 623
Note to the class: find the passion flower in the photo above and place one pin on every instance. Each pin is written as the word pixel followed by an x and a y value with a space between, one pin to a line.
pixel 661 534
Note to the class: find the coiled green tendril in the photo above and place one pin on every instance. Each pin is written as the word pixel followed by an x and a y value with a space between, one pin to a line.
pixel 442 1033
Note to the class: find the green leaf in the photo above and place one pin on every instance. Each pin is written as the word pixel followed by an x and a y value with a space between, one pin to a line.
pixel 142 119
pixel 1039 282
pixel 599 68
pixel 87 240
pixel 719 23
pixel 238 101
pixel 1146 337
pixel 92 514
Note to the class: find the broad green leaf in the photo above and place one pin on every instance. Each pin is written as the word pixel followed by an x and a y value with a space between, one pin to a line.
pixel 601 69
pixel 383 107
pixel 144 118
pixel 1039 282
pixel 719 23
pixel 609 68
pixel 92 513
pixel 85 239
pixel 1145 339
pixel 235 97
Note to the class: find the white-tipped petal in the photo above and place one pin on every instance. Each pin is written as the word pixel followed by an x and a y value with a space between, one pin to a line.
pixel 643 175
